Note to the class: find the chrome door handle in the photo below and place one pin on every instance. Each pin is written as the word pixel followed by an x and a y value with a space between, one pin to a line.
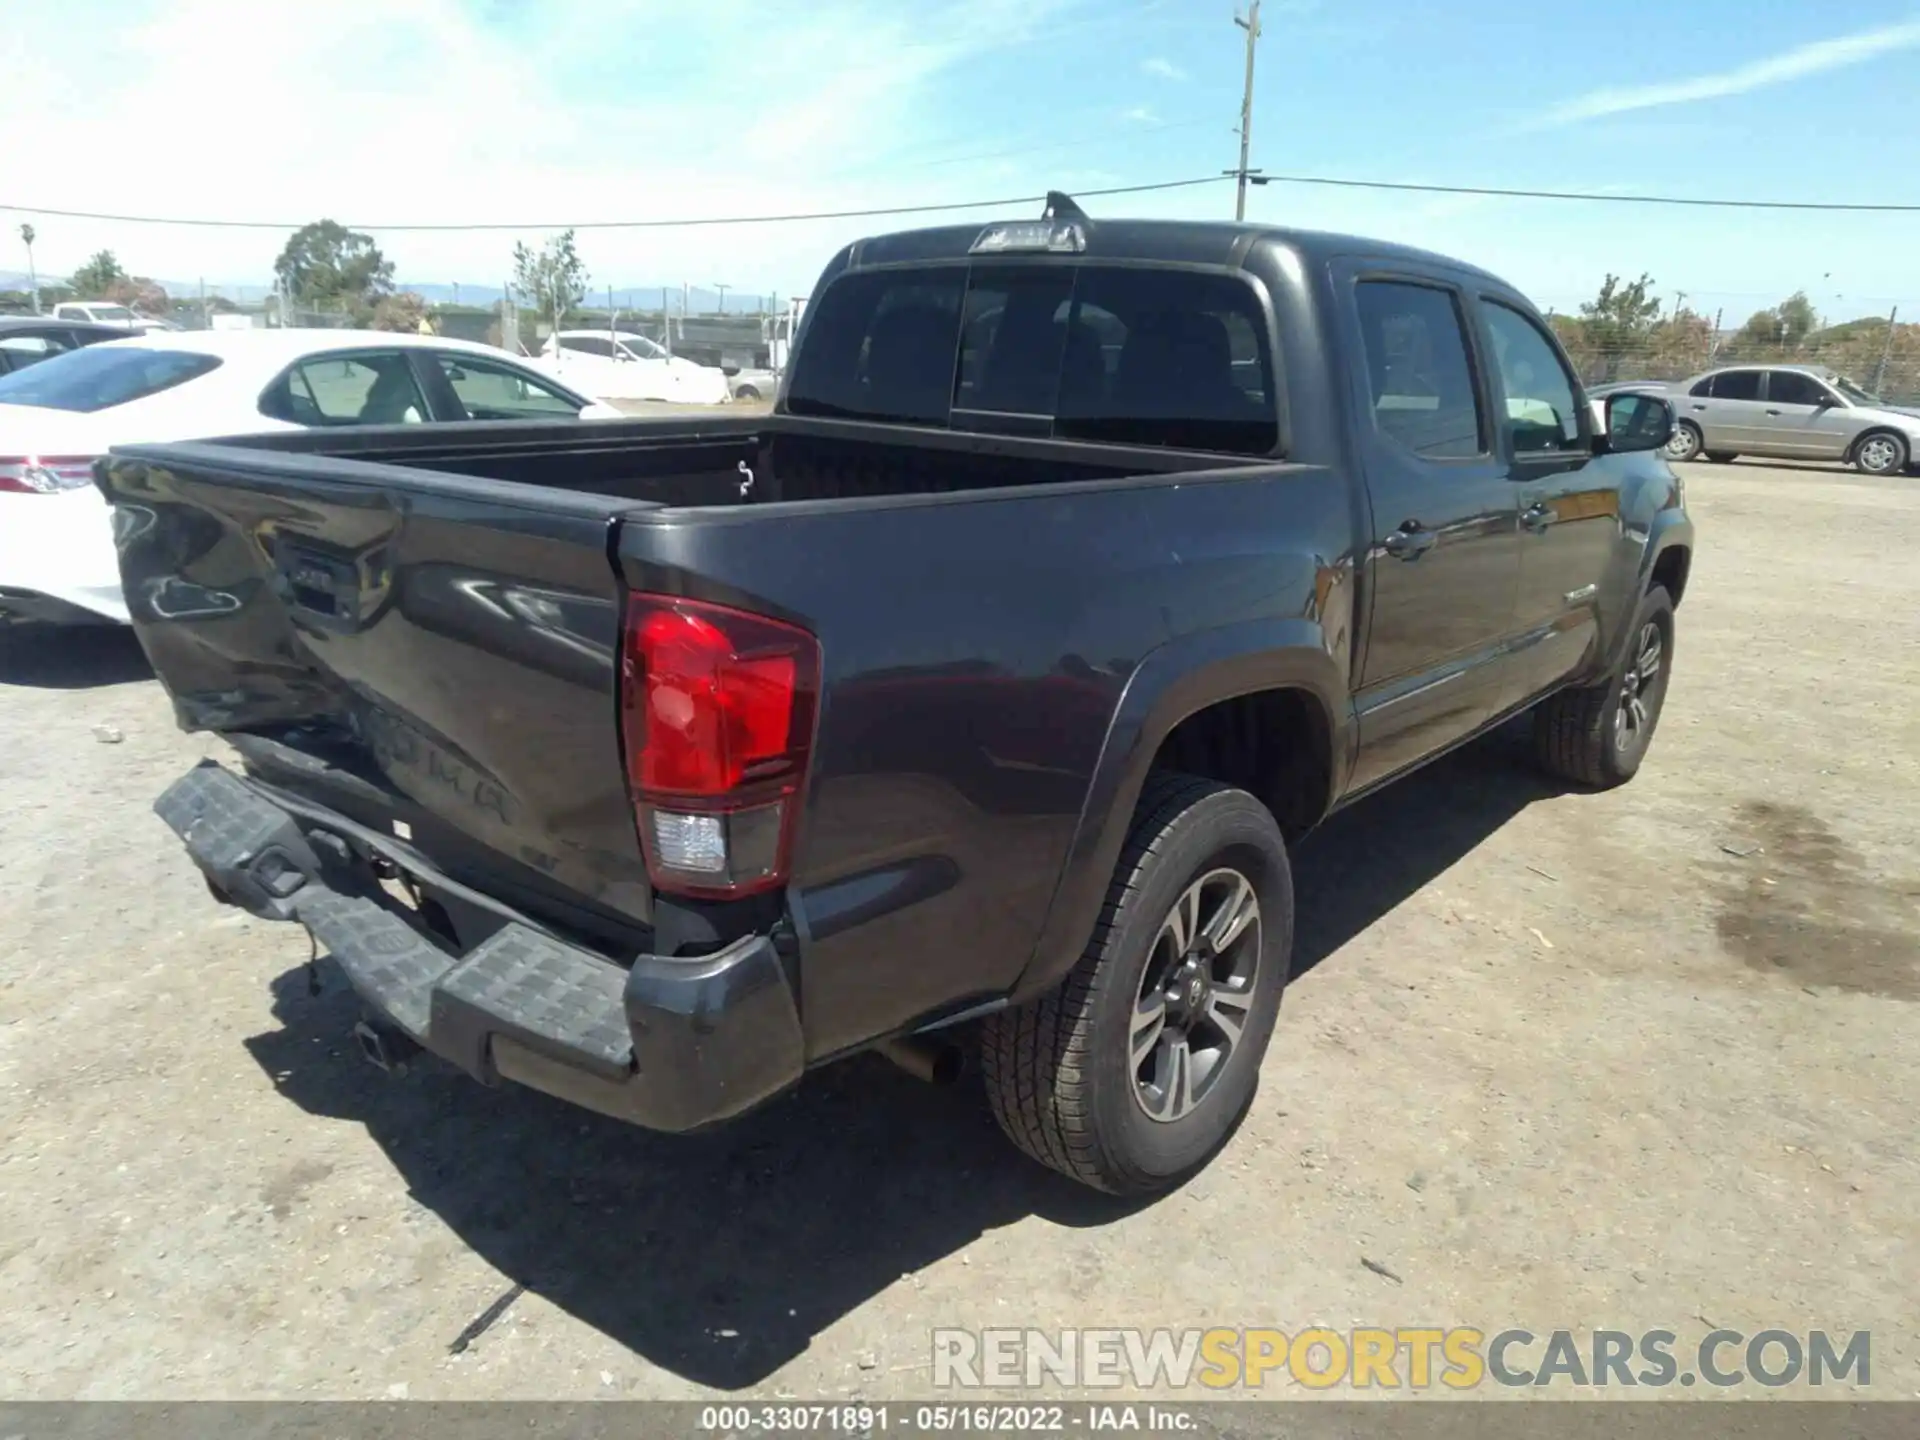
pixel 1538 517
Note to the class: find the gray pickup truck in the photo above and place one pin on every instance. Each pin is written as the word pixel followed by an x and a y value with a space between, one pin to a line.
pixel 973 699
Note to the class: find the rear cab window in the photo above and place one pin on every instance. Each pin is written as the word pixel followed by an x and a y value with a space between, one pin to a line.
pixel 1105 353
pixel 98 377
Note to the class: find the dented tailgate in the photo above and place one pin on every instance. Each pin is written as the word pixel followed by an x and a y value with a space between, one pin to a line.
pixel 430 650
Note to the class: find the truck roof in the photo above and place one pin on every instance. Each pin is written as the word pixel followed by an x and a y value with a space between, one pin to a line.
pixel 1177 242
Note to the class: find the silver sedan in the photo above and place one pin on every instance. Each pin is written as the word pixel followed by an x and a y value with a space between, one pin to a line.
pixel 1790 412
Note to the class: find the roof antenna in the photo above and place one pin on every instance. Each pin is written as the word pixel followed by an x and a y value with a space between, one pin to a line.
pixel 1060 206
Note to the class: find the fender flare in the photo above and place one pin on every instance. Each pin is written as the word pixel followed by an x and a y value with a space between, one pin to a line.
pixel 1179 679
pixel 1670 529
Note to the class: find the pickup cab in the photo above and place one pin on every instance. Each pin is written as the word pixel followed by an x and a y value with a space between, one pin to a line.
pixel 969 703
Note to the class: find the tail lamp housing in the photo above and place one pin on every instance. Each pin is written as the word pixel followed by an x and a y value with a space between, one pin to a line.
pixel 45 474
pixel 717 712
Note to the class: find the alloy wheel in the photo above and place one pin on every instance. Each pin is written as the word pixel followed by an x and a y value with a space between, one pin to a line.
pixel 1196 994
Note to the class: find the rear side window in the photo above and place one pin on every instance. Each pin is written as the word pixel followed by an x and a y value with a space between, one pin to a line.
pixel 1419 376
pixel 98 377
pixel 1125 356
pixel 1737 385
pixel 375 389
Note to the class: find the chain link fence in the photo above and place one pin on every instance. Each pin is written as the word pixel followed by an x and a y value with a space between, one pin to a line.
pixel 1877 354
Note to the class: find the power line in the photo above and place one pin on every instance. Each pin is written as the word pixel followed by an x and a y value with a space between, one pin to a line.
pixel 1711 203
pixel 1000 203
pixel 1257 178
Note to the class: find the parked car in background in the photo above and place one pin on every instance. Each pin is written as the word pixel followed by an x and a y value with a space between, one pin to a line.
pixel 753 384
pixel 1785 412
pixel 57 417
pixel 102 312
pixel 28 339
pixel 618 365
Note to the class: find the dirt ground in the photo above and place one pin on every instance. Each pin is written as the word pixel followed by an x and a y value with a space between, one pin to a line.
pixel 1644 1059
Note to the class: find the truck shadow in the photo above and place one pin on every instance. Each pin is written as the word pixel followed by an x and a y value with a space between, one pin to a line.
pixel 719 1257
pixel 1367 859
pixel 76 657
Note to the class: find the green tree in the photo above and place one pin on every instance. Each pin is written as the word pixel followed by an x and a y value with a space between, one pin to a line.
pixel 551 280
pixel 98 276
pixel 137 292
pixel 1777 330
pixel 402 311
pixel 326 266
pixel 1617 324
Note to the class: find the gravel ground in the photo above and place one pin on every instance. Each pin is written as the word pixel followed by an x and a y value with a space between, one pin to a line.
pixel 1644 1059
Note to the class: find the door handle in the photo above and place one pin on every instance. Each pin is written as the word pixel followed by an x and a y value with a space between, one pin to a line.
pixel 1410 541
pixel 1773 412
pixel 1696 407
pixel 1538 517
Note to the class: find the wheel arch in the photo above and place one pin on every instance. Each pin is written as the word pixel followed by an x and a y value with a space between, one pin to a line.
pixel 1195 702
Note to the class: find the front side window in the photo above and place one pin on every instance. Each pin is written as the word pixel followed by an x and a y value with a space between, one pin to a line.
pixel 641 348
pixel 371 389
pixel 598 345
pixel 1542 413
pixel 491 391
pixel 1794 387
pixel 1109 354
pixel 98 377
pixel 1418 370
pixel 1858 394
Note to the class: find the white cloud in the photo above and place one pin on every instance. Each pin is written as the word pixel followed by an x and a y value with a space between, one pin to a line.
pixel 1142 115
pixel 1812 59
pixel 1162 68
pixel 432 111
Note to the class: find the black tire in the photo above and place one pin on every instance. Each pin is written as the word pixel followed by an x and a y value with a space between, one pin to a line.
pixel 1686 442
pixel 1722 457
pixel 1059 1071
pixel 1576 733
pixel 746 392
pixel 1881 452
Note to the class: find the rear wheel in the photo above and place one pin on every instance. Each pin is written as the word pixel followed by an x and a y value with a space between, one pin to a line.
pixel 1880 452
pixel 1133 1072
pixel 1598 735
pixel 1686 441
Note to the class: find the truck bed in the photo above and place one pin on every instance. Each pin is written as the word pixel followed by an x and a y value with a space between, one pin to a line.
pixel 792 459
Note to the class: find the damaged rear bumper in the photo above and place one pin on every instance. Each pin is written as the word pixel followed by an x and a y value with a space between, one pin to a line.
pixel 668 1043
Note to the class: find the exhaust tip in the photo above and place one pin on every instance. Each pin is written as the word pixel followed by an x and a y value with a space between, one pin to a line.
pixel 936 1062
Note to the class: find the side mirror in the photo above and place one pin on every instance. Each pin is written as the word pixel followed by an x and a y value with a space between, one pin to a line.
pixel 1637 422
pixel 1829 401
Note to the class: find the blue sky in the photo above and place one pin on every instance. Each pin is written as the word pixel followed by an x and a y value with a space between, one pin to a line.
pixel 510 111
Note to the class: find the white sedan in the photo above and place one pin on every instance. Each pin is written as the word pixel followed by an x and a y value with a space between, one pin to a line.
pixel 57 559
pixel 617 365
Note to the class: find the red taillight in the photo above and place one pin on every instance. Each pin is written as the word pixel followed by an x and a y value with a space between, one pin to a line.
pixel 717 716
pixel 45 474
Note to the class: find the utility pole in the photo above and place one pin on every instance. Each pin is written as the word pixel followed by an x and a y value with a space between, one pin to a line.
pixel 1886 353
pixel 1251 24
pixel 1713 340
pixel 723 295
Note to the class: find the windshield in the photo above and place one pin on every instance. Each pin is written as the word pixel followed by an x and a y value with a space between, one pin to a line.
pixel 102 376
pixel 1855 393
pixel 641 348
